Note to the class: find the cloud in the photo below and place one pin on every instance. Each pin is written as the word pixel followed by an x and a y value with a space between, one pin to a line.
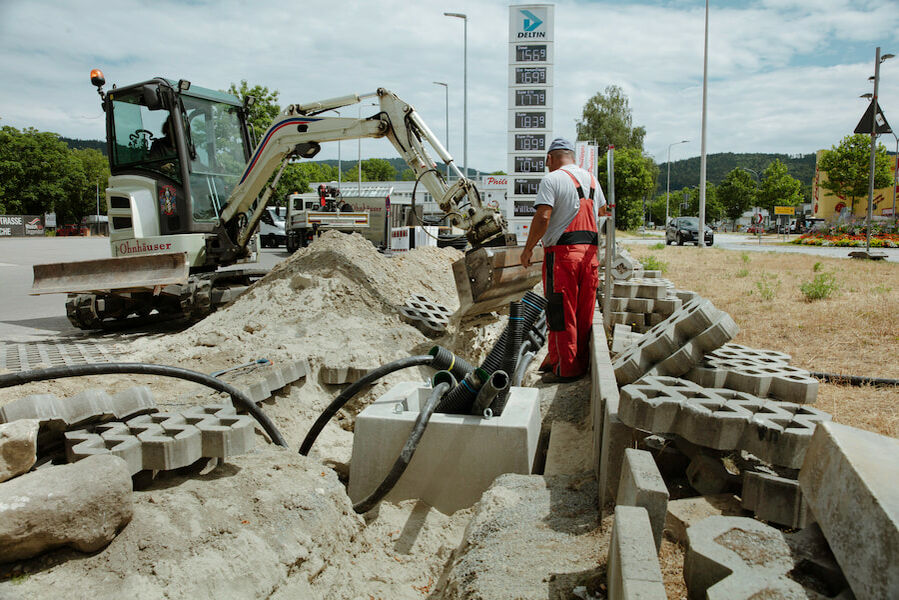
pixel 784 75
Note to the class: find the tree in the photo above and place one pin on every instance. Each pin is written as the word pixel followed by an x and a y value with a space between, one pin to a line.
pixel 737 194
pixel 633 181
pixel 297 176
pixel 378 169
pixel 778 188
pixel 94 176
pixel 607 119
pixel 264 108
pixel 848 168
pixel 714 211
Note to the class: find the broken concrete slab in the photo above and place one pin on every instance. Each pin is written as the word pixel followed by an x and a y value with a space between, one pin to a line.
pixel 633 569
pixel 82 505
pixel 849 479
pixel 684 512
pixel 642 485
pixel 737 558
pixel 775 499
pixel 18 447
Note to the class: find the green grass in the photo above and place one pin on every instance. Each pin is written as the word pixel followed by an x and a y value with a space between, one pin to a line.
pixel 745 258
pixel 817 266
pixel 881 289
pixel 659 246
pixel 823 286
pixel 767 285
pixel 742 273
pixel 651 263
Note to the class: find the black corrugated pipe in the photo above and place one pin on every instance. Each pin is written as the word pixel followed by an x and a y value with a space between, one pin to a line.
pixel 347 394
pixel 854 379
pixel 510 357
pixel 444 360
pixel 237 396
pixel 402 461
pixel 460 398
pixel 497 384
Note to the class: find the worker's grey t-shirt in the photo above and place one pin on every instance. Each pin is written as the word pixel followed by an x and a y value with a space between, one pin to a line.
pixel 557 190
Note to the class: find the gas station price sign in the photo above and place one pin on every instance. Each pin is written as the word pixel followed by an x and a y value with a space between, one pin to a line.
pixel 530 97
pixel 530 120
pixel 530 53
pixel 530 75
pixel 530 164
pixel 530 142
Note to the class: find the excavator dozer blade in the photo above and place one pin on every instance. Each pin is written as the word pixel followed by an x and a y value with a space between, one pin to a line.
pixel 489 278
pixel 123 274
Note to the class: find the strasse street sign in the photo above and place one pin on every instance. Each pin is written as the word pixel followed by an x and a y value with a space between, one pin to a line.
pixel 784 210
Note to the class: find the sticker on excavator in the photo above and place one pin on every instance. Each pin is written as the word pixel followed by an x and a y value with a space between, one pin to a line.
pixel 489 278
pixel 122 273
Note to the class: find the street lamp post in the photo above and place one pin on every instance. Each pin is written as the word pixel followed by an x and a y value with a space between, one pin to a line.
pixel 668 183
pixel 702 153
pixel 464 89
pixel 895 175
pixel 877 60
pixel 446 89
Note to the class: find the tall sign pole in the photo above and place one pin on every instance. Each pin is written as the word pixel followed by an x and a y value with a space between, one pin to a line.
pixel 873 152
pixel 705 85
pixel 530 108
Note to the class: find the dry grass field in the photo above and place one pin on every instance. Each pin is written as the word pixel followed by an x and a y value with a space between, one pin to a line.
pixel 853 332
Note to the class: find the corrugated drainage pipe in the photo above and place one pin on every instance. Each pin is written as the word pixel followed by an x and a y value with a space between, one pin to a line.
pixel 444 360
pixel 854 379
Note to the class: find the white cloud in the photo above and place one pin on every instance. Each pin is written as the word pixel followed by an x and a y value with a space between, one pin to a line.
pixel 784 76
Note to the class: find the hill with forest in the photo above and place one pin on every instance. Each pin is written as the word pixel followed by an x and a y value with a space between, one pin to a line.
pixel 76 144
pixel 685 172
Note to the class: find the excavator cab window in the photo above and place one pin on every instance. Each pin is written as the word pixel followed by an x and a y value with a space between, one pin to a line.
pixel 144 136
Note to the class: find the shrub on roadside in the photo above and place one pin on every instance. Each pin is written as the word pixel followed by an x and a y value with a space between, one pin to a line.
pixel 651 263
pixel 823 286
pixel 767 285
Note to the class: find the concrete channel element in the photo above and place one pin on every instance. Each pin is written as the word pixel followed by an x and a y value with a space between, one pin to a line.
pixel 428 317
pixel 24 356
pixel 633 571
pixel 270 379
pixel 165 441
pixel 458 456
pixel 610 435
pixel 677 344
pixel 776 432
pixel 739 558
pixel 89 406
pixel 642 485
pixel 849 480
pixel 775 499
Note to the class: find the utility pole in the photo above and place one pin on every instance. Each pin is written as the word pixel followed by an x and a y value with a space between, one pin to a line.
pixel 702 152
pixel 873 153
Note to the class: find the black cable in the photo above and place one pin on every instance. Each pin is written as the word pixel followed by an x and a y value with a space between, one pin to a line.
pixel 347 394
pixel 402 461
pixel 856 380
pixel 237 396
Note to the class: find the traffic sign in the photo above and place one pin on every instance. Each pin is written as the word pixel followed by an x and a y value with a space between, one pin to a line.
pixel 873 121
pixel 784 210
pixel 758 217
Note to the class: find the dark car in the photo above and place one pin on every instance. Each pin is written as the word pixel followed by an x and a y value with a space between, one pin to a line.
pixel 686 229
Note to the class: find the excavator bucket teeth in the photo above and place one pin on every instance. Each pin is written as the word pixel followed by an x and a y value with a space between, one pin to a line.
pixel 105 274
pixel 489 278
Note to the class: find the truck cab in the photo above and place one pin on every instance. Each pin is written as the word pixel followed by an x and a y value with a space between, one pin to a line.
pixel 271 227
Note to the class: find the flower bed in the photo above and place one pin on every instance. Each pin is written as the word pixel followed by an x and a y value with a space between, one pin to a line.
pixel 883 235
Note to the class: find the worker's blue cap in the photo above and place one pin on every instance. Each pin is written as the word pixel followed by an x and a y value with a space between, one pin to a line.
pixel 561 144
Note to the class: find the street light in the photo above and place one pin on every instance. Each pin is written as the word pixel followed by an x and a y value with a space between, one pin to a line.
pixel 446 88
pixel 668 184
pixel 877 60
pixel 464 89
pixel 359 149
pixel 702 153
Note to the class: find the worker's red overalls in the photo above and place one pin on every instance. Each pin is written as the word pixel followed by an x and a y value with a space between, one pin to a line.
pixel 569 284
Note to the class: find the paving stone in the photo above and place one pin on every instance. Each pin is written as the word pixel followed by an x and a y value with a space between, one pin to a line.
pixel 765 375
pixel 18 447
pixel 738 351
pixel 641 484
pixel 26 356
pixel 633 568
pixel 652 274
pixel 624 338
pixel 736 558
pixel 685 512
pixel 775 499
pixel 686 295
pixel 776 432
pixel 165 441
pixel 429 317
pixel 267 380
pixel 623 267
pixel 849 480
pixel 667 306
pixel 333 375
pixel 85 407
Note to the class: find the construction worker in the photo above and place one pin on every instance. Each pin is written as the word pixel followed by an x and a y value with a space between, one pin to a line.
pixel 569 200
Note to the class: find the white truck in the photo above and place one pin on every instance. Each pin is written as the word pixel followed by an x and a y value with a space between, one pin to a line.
pixel 307 218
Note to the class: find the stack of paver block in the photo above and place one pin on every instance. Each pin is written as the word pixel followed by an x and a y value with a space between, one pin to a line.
pixel 165 441
pixel 623 337
pixel 676 345
pixel 428 317
pixel 641 302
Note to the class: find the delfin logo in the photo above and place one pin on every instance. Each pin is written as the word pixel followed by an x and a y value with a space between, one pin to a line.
pixel 531 21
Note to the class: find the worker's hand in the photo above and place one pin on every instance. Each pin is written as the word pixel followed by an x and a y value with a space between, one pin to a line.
pixel 526 257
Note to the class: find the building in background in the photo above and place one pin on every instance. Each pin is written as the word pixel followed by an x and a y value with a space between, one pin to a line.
pixel 829 206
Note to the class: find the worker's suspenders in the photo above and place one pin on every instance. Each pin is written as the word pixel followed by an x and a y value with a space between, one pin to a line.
pixel 582 229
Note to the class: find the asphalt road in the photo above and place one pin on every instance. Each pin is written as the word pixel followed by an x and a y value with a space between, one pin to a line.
pixel 31 318
pixel 770 243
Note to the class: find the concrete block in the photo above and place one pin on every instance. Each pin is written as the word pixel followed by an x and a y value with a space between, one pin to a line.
pixel 623 267
pixel 340 374
pixel 223 432
pixel 652 274
pixel 738 351
pixel 18 447
pixel 167 441
pixel 775 499
pixel 667 306
pixel 633 570
pixel 267 380
pixel 686 295
pixel 89 406
pixel 685 512
pixel 427 316
pixel 762 377
pixel 849 480
pixel 736 558
pixel 641 484
pixel 777 432
pixel 458 456
pixel 82 505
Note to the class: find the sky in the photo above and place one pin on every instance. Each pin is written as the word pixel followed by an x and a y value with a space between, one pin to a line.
pixel 784 75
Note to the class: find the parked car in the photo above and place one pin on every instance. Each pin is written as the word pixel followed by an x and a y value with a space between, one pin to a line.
pixel 686 229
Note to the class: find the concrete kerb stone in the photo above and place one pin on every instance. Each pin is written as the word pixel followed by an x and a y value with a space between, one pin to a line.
pixel 736 558
pixel 775 499
pixel 776 432
pixel 165 441
pixel 633 568
pixel 849 480
pixel 641 484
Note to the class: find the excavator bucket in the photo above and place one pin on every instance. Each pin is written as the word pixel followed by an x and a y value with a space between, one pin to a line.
pixel 489 278
pixel 122 274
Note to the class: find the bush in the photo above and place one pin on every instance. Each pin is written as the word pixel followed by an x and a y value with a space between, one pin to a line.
pixel 659 246
pixel 767 285
pixel 651 263
pixel 817 267
pixel 745 258
pixel 742 273
pixel 823 286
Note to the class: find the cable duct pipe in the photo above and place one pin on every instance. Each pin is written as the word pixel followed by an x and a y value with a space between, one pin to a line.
pixel 510 356
pixel 237 396
pixel 446 360
pixel 496 385
pixel 856 380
